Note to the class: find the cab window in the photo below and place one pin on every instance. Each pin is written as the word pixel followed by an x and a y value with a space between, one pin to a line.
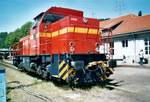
pixel 51 18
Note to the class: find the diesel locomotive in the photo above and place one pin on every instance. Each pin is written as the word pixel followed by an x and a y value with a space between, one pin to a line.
pixel 63 44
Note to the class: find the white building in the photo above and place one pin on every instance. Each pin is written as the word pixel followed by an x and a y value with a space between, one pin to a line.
pixel 130 33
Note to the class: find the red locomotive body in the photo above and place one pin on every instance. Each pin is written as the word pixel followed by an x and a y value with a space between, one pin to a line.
pixel 63 43
pixel 71 33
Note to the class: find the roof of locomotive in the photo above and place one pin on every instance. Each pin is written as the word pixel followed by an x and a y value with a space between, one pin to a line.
pixel 38 16
pixel 61 11
pixel 65 11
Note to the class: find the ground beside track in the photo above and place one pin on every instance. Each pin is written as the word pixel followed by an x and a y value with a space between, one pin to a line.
pixel 128 85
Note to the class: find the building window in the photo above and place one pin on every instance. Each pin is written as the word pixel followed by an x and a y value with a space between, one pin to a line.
pixel 147 46
pixel 111 48
pixel 125 43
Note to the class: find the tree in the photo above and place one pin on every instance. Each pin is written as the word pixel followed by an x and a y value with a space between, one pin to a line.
pixel 25 29
pixel 3 36
pixel 140 13
pixel 14 37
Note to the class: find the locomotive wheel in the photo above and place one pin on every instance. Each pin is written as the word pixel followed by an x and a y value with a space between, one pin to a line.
pixel 39 71
pixel 44 74
pixel 33 66
pixel 15 63
pixel 20 66
pixel 49 76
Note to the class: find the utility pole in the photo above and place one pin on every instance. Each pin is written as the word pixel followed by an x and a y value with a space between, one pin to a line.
pixel 120 6
pixel 93 13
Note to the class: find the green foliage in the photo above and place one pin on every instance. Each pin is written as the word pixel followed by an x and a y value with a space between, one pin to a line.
pixel 3 36
pixel 140 13
pixel 14 37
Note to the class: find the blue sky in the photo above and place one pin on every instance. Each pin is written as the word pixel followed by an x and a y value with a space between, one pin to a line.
pixel 14 13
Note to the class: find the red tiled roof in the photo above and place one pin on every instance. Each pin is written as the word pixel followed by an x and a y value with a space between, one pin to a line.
pixel 129 23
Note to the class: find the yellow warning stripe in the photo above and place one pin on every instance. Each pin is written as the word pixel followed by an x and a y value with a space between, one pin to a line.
pixel 63 70
pixel 92 31
pixel 111 70
pixel 70 29
pixel 65 30
pixel 45 34
pixel 61 64
pixel 54 33
pixel 104 77
pixel 81 30
pixel 67 74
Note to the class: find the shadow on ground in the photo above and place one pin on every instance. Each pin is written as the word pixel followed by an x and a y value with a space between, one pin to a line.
pixel 107 84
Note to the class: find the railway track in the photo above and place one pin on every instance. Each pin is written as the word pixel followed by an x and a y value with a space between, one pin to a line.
pixel 20 85
pixel 29 91
pixel 8 65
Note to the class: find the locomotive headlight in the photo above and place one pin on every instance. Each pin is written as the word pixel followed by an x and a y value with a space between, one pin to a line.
pixel 71 49
pixel 72 45
pixel 78 65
